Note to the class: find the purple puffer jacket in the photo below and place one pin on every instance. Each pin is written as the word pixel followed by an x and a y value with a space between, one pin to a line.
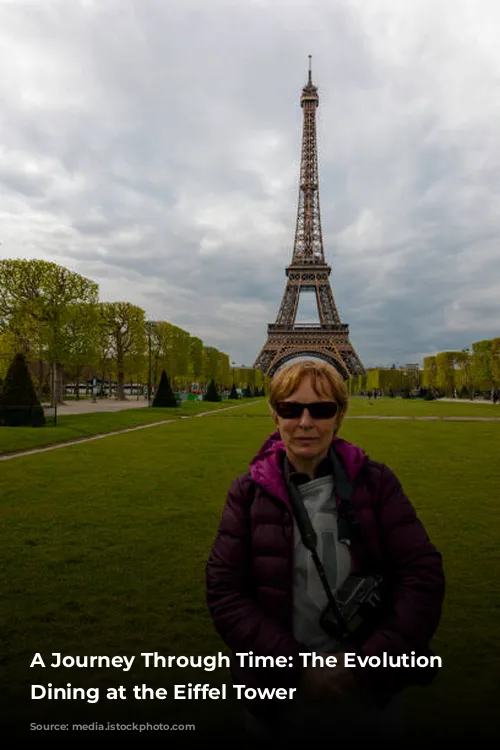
pixel 249 574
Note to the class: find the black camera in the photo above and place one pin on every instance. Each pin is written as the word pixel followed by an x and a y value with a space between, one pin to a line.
pixel 357 606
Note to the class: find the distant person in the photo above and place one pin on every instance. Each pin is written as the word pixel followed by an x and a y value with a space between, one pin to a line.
pixel 264 592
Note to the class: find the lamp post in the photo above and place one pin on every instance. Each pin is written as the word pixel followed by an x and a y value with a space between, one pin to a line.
pixel 232 367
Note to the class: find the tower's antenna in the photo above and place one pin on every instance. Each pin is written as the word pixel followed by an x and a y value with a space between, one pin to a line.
pixel 310 79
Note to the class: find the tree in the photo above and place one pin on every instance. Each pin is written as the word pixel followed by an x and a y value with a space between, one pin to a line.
pixel 211 359
pixel 482 374
pixel 212 394
pixel 463 374
pixel 104 352
pixel 250 380
pixel 373 379
pixel 223 370
pixel 19 404
pixel 259 378
pixel 446 364
pixel 196 359
pixel 81 327
pixel 181 348
pixel 124 325
pixel 157 334
pixel 234 392
pixel 164 395
pixel 170 350
pixel 495 361
pixel 8 351
pixel 429 379
pixel 36 295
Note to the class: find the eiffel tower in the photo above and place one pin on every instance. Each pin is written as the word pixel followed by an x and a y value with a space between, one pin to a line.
pixel 308 271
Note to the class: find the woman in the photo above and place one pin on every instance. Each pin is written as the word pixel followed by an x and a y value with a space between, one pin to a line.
pixel 264 589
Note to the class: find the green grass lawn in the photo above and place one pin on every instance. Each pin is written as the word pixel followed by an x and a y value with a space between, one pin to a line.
pixel 78 426
pixel 103 549
pixel 419 408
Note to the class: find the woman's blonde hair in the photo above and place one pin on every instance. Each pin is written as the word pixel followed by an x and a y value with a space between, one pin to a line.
pixel 325 380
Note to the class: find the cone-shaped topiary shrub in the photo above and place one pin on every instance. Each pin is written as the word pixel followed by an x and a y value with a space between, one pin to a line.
pixel 164 396
pixel 212 394
pixel 19 404
pixel 234 392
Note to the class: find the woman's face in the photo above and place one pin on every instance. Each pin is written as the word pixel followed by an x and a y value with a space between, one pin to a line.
pixel 306 440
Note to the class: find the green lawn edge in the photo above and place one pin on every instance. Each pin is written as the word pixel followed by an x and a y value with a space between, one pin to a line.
pixel 76 427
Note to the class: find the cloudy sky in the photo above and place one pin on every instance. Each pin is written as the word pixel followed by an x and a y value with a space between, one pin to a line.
pixel 153 146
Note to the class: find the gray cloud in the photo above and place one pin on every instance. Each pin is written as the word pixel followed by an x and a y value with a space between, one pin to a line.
pixel 154 147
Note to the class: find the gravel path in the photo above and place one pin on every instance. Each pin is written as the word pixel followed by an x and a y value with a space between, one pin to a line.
pixel 87 406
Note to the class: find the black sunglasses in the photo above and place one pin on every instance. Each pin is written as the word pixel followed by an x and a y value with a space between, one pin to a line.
pixel 317 410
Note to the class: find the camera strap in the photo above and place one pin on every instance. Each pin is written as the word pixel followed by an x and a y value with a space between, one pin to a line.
pixel 308 534
pixel 347 521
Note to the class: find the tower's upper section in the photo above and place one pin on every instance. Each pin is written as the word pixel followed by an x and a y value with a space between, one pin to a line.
pixel 309 92
pixel 308 245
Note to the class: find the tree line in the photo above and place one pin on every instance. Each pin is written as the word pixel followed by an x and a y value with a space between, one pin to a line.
pixel 467 372
pixel 53 317
pixel 464 373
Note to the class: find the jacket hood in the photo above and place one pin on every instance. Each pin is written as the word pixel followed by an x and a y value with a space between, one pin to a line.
pixel 266 468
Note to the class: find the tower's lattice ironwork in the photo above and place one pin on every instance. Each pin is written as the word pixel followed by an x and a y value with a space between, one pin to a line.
pixel 329 338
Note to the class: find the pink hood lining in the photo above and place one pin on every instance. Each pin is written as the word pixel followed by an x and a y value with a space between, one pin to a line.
pixel 266 466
